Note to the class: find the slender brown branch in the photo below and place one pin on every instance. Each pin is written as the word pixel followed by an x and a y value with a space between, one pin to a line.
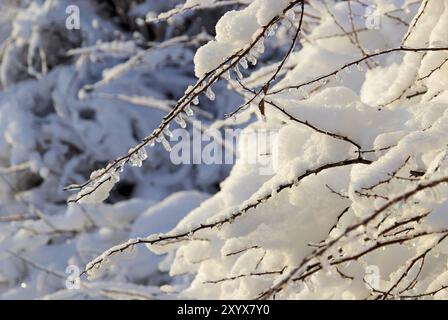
pixel 230 219
pixel 355 62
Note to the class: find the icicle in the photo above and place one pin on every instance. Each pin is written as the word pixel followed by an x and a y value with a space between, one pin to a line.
pixel 161 139
pixel 189 88
pixel 359 67
pixel 310 285
pixel 209 93
pixel 251 58
pixel 195 100
pixel 287 24
pixel 167 131
pixel 166 145
pixel 291 15
pixel 188 111
pixel 323 81
pixel 243 63
pixel 142 154
pixel 304 93
pixel 180 121
pixel 272 30
pixel 338 78
pixel 227 75
pixel 152 143
pixel 260 46
pixel 134 159
pixel 238 72
pixel 348 69
pixel 82 94
pixel 114 176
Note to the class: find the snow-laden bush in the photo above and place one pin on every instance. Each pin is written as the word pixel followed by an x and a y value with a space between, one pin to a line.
pixel 356 92
pixel 360 152
pixel 70 101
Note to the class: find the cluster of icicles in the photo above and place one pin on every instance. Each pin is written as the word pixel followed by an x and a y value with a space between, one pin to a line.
pixel 138 154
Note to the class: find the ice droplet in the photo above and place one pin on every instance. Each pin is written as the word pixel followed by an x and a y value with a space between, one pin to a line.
pixel 251 58
pixel 243 63
pixel 238 72
pixel 166 145
pixel 271 30
pixel 143 155
pixel 304 93
pixel 291 14
pixel 82 95
pixel 195 100
pixel 161 139
pixel 168 132
pixel 260 46
pixel 180 121
pixel 287 24
pixel 189 88
pixel 114 176
pixel 134 159
pixel 210 94
pixel 338 78
pixel 188 111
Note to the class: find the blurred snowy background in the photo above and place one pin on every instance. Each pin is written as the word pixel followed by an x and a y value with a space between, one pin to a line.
pixel 51 137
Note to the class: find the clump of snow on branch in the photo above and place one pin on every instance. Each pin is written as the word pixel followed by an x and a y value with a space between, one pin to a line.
pixel 233 31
